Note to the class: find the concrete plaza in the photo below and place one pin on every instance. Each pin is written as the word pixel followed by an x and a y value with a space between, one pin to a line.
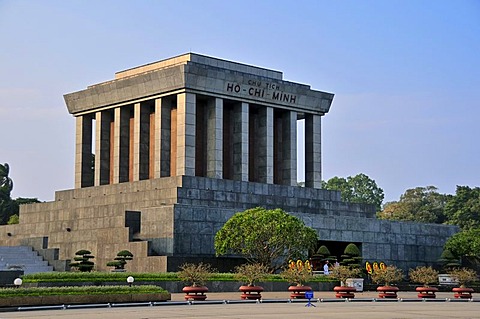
pixel 276 306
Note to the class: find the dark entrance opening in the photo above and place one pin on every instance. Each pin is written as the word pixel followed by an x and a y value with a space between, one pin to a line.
pixel 336 249
pixel 133 222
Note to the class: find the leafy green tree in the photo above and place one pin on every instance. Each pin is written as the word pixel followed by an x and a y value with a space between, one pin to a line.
pixel 14 219
pixel 420 204
pixel 463 209
pixel 465 244
pixel 269 237
pixel 6 183
pixel 357 189
pixel 7 207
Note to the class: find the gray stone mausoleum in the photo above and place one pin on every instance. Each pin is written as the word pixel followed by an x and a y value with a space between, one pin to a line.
pixel 182 144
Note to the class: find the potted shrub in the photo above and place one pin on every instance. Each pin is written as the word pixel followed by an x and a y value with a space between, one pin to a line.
pixel 249 274
pixel 82 261
pixel 298 275
pixel 426 276
pixel 463 276
pixel 342 273
pixel 385 277
pixel 195 276
pixel 120 261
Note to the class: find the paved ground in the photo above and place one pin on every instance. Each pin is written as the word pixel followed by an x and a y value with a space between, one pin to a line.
pixel 280 309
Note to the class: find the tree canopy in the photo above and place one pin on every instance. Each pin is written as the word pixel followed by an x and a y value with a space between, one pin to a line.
pixel 9 207
pixel 270 237
pixel 6 202
pixel 357 189
pixel 420 204
pixel 465 243
pixel 463 209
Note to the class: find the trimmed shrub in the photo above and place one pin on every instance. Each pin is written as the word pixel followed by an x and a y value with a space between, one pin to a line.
pixel 82 261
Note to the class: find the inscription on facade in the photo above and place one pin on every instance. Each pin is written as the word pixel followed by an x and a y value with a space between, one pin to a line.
pixel 266 90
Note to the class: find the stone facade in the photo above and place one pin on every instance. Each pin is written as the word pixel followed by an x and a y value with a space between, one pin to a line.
pixel 181 145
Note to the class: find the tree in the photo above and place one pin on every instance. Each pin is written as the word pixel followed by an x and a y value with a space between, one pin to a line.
pixel 121 260
pixel 82 261
pixel 269 237
pixel 420 204
pixel 463 209
pixel 465 244
pixel 14 219
pixel 357 189
pixel 6 183
pixel 7 208
pixel 352 256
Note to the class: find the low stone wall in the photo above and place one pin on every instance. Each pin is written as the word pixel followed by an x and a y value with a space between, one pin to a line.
pixel 81 299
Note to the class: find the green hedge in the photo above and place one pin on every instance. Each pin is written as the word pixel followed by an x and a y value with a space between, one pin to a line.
pixel 82 290
pixel 96 277
pixel 122 277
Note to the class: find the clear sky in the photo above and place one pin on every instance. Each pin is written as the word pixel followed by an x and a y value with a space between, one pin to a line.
pixel 405 74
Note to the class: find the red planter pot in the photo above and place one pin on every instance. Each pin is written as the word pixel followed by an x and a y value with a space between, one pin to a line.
pixel 195 293
pixel 344 292
pixel 463 293
pixel 251 292
pixel 387 292
pixel 426 292
pixel 298 292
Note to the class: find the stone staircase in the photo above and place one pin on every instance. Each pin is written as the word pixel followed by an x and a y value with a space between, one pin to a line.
pixel 24 258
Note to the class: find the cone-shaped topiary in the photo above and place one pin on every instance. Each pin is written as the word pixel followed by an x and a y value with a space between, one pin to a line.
pixel 352 250
pixel 448 260
pixel 351 256
pixel 323 251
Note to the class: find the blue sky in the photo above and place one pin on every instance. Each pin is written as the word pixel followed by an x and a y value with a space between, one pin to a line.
pixel 406 77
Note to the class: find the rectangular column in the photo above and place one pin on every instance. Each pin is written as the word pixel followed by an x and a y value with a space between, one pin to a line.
pixel 289 145
pixel 313 152
pixel 265 146
pixel 121 144
pixel 102 147
pixel 141 139
pixel 162 137
pixel 185 155
pixel 83 151
pixel 215 138
pixel 240 142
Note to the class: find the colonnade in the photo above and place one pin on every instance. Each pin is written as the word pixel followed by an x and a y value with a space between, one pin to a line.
pixel 197 135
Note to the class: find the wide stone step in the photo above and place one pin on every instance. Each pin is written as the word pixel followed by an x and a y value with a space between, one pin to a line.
pixel 22 257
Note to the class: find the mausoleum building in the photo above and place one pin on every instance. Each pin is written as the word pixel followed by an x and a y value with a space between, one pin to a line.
pixel 167 152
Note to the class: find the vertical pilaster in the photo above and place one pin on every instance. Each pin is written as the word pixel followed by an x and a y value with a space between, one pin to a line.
pixel 215 138
pixel 240 142
pixel 265 146
pixel 83 151
pixel 162 137
pixel 140 141
pixel 102 147
pixel 313 151
pixel 289 165
pixel 185 156
pixel 121 144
